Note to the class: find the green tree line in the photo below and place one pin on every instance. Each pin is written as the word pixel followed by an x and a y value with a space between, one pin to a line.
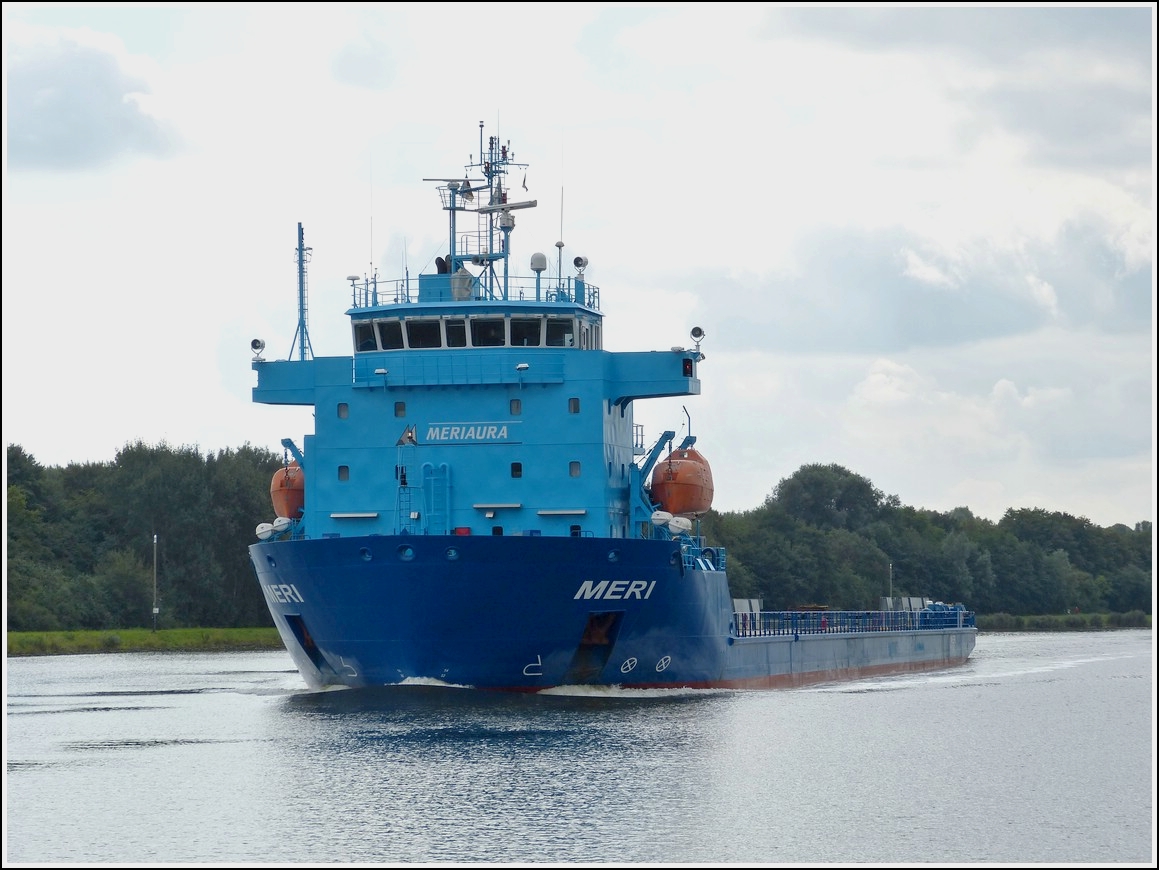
pixel 826 535
pixel 81 551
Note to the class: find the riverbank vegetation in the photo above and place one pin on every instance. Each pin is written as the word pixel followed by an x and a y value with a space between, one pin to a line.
pixel 92 546
pixel 40 643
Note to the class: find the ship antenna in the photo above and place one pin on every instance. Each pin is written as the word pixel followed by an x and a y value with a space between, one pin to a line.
pixel 302 336
pixel 559 244
pixel 372 208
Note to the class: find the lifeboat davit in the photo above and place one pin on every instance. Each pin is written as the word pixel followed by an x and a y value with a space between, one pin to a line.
pixel 287 491
pixel 682 483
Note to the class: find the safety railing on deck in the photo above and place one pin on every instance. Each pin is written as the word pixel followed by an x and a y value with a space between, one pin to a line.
pixel 373 293
pixel 766 623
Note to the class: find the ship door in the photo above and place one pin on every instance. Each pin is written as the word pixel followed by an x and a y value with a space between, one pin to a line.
pixel 595 647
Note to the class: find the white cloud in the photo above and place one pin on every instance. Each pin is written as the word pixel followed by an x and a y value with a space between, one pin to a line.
pixel 1042 293
pixel 908 256
pixel 918 269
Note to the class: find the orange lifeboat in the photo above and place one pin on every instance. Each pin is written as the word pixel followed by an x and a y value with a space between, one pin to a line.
pixel 682 483
pixel 287 491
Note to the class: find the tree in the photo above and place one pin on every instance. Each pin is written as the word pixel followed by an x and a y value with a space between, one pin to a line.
pixel 829 497
pixel 125 587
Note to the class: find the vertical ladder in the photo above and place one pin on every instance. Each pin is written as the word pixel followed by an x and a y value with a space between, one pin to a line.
pixel 404 497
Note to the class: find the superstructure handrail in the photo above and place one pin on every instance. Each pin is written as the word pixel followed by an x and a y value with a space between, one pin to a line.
pixel 376 292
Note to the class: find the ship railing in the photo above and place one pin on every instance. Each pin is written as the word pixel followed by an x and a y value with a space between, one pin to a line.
pixel 695 554
pixel 796 622
pixel 371 294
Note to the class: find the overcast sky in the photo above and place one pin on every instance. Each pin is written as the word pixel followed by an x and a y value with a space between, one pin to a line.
pixel 921 241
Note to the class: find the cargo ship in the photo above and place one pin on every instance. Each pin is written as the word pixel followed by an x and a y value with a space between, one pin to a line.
pixel 477 507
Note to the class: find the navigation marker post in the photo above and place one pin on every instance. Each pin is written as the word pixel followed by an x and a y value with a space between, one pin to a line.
pixel 155 608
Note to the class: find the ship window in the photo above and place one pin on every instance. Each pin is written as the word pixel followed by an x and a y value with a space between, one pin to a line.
pixel 364 337
pixel 573 405
pixel 423 333
pixel 487 332
pixel 343 410
pixel 516 407
pixel 517 469
pixel 573 468
pixel 400 409
pixel 344 472
pixel 575 531
pixel 560 333
pixel 456 333
pixel 390 334
pixel 525 331
pixel 597 339
pixel 497 530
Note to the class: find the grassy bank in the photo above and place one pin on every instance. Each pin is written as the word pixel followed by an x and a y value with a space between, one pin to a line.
pixel 1063 621
pixel 41 643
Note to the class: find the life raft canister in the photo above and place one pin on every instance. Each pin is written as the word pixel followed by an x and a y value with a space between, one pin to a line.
pixel 287 491
pixel 682 483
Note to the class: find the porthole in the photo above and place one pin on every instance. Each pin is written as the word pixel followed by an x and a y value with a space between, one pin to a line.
pixel 406 552
pixel 452 554
pixel 270 559
pixel 613 555
pixel 365 554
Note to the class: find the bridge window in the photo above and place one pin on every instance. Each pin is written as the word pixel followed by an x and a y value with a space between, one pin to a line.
pixel 423 333
pixel 488 331
pixel 456 333
pixel 364 337
pixel 560 333
pixel 390 334
pixel 525 331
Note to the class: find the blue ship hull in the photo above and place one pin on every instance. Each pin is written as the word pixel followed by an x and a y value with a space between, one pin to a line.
pixel 530 613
